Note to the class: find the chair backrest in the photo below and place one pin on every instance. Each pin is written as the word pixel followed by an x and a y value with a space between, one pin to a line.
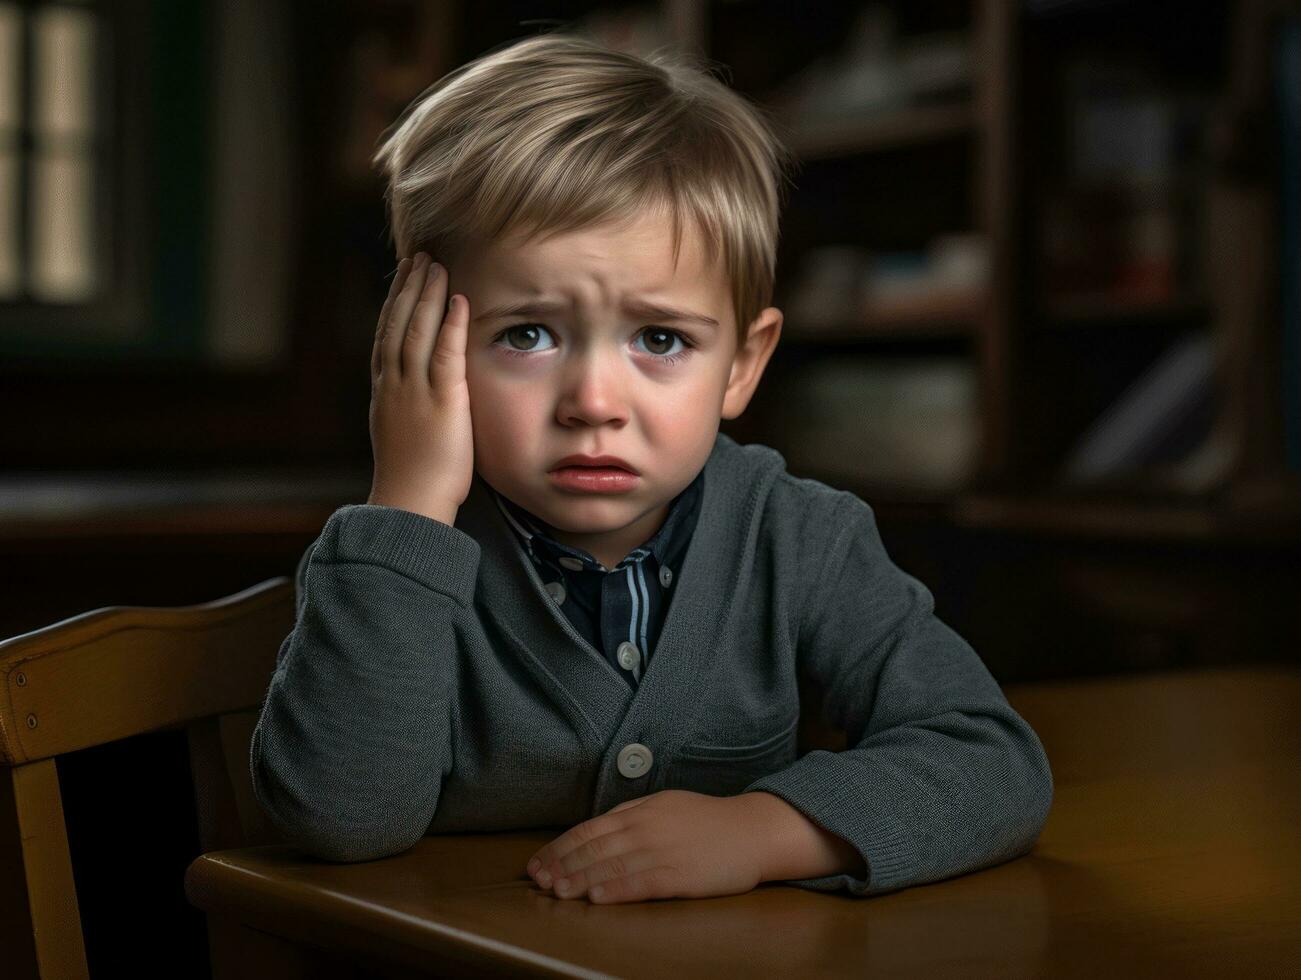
pixel 106 675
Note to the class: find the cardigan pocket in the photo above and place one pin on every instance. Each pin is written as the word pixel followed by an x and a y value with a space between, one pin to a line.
pixel 724 770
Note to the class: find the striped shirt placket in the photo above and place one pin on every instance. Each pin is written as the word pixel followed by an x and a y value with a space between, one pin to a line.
pixel 589 606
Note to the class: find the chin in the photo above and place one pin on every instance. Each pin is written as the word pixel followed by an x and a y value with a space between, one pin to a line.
pixel 595 515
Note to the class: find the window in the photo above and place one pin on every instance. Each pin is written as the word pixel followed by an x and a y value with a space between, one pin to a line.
pixel 73 281
pixel 51 150
pixel 145 185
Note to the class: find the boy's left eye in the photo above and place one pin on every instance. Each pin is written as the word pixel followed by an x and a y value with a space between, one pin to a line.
pixel 658 337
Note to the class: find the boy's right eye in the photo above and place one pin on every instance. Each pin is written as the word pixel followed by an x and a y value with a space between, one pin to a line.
pixel 533 327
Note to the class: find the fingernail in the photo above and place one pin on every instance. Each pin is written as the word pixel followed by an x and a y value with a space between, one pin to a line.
pixel 544 879
pixel 562 886
pixel 534 865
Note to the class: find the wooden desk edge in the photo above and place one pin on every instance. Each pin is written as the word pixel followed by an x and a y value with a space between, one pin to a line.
pixel 210 878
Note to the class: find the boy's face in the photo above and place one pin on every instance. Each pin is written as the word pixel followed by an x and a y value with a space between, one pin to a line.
pixel 594 376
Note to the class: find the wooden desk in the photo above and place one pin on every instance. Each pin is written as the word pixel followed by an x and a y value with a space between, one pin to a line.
pixel 1172 849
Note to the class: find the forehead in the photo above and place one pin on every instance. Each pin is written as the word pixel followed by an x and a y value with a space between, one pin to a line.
pixel 605 263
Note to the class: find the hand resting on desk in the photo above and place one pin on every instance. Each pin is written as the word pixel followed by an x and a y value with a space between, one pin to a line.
pixel 682 844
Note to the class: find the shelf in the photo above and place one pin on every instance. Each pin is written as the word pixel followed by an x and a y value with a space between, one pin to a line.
pixel 203 521
pixel 937 316
pixel 1197 521
pixel 822 139
pixel 1102 310
pixel 129 504
pixel 909 502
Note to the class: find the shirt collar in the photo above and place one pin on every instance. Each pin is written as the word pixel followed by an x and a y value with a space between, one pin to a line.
pixel 667 544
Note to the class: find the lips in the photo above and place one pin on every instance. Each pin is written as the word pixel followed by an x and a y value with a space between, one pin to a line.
pixel 594 462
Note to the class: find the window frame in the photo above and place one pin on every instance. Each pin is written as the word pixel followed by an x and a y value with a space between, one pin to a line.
pixel 119 319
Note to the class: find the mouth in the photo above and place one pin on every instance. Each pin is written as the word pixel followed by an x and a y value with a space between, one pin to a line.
pixel 579 462
pixel 594 479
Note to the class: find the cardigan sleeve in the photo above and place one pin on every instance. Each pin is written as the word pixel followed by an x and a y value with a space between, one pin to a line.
pixel 941 776
pixel 354 737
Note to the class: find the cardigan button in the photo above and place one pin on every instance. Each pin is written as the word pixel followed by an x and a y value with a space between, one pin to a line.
pixel 571 563
pixel 666 576
pixel 635 760
pixel 557 591
pixel 628 654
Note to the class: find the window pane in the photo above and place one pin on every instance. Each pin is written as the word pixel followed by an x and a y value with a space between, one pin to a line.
pixel 10 275
pixel 62 227
pixel 63 45
pixel 11 66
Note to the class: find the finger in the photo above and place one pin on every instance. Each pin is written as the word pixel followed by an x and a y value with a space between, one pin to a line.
pixel 426 324
pixel 543 855
pixel 399 280
pixel 618 865
pixel 571 838
pixel 447 366
pixel 657 882
pixel 609 848
pixel 395 330
pixel 386 314
pixel 576 836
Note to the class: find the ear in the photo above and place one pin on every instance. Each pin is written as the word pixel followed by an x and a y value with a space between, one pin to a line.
pixel 750 361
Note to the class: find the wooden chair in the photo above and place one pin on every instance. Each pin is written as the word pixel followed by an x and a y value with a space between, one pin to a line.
pixel 106 675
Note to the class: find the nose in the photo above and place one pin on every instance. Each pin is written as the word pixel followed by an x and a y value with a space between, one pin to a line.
pixel 593 390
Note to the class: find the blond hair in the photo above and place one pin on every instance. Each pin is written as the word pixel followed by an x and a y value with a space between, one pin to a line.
pixel 558 132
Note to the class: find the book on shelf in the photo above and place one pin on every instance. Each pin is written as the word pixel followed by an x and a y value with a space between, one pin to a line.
pixel 846 287
pixel 912 425
pixel 1120 221
pixel 876 72
pixel 1161 427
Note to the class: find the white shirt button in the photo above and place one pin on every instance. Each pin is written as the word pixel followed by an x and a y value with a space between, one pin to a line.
pixel 628 655
pixel 666 576
pixel 557 591
pixel 573 564
pixel 635 760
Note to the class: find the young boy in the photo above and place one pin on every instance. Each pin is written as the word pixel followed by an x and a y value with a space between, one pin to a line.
pixel 502 639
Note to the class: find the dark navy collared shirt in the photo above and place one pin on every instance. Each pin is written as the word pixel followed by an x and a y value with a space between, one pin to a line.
pixel 619 611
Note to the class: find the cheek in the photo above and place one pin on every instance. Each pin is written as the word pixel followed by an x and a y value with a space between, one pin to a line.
pixel 689 427
pixel 687 409
pixel 502 413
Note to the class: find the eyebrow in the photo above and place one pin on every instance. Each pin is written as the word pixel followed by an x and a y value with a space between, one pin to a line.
pixel 639 307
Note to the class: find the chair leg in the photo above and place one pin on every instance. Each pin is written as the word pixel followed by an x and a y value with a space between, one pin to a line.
pixel 40 923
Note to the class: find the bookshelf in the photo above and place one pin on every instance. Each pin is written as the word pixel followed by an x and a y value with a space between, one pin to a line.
pixel 1015 152
pixel 957 136
pixel 1186 556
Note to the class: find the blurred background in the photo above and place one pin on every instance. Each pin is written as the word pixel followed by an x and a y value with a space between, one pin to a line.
pixel 1041 271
